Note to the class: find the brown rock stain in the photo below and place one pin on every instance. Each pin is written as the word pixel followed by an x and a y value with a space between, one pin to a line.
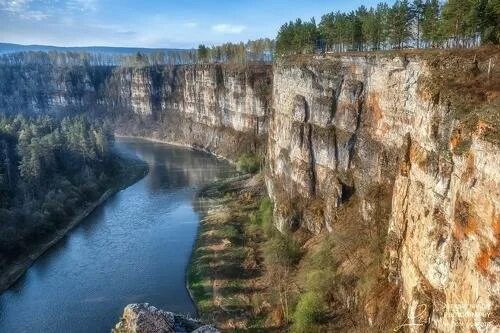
pixel 373 103
pixel 466 224
pixel 418 156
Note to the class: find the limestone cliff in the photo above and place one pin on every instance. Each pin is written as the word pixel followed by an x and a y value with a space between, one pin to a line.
pixel 395 154
pixel 217 107
pixel 403 146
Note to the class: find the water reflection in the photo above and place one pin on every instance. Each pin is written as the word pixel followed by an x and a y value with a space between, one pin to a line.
pixel 134 248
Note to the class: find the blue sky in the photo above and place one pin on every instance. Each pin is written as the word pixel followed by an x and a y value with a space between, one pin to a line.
pixel 153 23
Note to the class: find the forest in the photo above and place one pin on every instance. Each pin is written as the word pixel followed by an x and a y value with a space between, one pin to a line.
pixel 252 51
pixel 417 24
pixel 50 170
pixel 404 24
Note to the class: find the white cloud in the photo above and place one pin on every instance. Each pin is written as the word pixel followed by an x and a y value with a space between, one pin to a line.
pixel 13 6
pixel 21 9
pixel 228 28
pixel 37 10
pixel 34 15
pixel 191 24
pixel 82 5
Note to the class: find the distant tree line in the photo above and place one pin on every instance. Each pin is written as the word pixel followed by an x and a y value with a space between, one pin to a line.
pixel 64 58
pixel 49 170
pixel 418 24
pixel 252 51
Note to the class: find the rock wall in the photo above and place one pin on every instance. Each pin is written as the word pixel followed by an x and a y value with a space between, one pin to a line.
pixel 384 137
pixel 220 108
pixel 403 147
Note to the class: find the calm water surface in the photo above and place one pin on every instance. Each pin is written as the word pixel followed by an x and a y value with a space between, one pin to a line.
pixel 134 248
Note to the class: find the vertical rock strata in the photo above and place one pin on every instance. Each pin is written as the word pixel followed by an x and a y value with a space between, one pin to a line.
pixel 220 108
pixel 217 107
pixel 406 146
pixel 371 133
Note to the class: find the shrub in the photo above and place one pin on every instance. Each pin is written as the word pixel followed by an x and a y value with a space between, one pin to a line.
pixel 264 217
pixel 249 163
pixel 323 256
pixel 308 313
pixel 281 251
pixel 266 210
pixel 321 281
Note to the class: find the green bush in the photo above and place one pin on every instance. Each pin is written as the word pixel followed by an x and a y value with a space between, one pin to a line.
pixel 323 256
pixel 249 163
pixel 319 270
pixel 308 313
pixel 263 218
pixel 281 251
pixel 266 211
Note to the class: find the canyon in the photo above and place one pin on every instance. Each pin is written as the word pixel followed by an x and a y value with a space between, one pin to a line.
pixel 397 153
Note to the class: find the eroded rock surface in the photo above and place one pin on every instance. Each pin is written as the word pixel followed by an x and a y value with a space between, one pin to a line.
pixel 381 138
pixel 145 318
pixel 405 146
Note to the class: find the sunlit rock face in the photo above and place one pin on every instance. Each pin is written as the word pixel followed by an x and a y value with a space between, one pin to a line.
pixel 372 128
pixel 145 318
pixel 372 136
pixel 218 107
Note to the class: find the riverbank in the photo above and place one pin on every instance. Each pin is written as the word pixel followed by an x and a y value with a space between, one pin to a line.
pixel 226 276
pixel 245 275
pixel 176 144
pixel 132 171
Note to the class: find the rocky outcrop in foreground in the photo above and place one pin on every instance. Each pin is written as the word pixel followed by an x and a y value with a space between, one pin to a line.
pixel 145 318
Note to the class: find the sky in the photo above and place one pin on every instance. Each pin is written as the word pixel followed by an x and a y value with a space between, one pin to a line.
pixel 153 23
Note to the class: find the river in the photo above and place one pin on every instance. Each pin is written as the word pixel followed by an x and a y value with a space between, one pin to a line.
pixel 133 248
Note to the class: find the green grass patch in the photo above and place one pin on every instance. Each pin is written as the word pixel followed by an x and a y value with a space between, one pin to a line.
pixel 249 163
pixel 309 313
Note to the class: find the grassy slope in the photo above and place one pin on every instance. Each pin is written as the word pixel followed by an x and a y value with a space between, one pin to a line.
pixel 226 275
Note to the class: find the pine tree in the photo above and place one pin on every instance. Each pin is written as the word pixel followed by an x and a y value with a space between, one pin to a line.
pixel 202 53
pixel 486 20
pixel 417 13
pixel 458 20
pixel 431 31
pixel 399 23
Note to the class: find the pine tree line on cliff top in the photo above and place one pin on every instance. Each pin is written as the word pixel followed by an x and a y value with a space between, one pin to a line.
pixel 456 23
pixel 254 50
pixel 405 24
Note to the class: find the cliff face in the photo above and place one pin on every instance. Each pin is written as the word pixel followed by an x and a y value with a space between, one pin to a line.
pixel 381 142
pixel 220 108
pixel 396 156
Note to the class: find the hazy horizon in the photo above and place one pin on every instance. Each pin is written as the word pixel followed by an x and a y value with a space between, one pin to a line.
pixel 152 23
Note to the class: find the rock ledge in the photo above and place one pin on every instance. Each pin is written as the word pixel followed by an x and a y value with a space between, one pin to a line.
pixel 145 318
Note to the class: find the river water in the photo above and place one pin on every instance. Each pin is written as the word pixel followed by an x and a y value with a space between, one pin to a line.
pixel 133 248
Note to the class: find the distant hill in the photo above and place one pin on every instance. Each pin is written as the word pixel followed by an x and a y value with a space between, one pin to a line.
pixel 13 48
